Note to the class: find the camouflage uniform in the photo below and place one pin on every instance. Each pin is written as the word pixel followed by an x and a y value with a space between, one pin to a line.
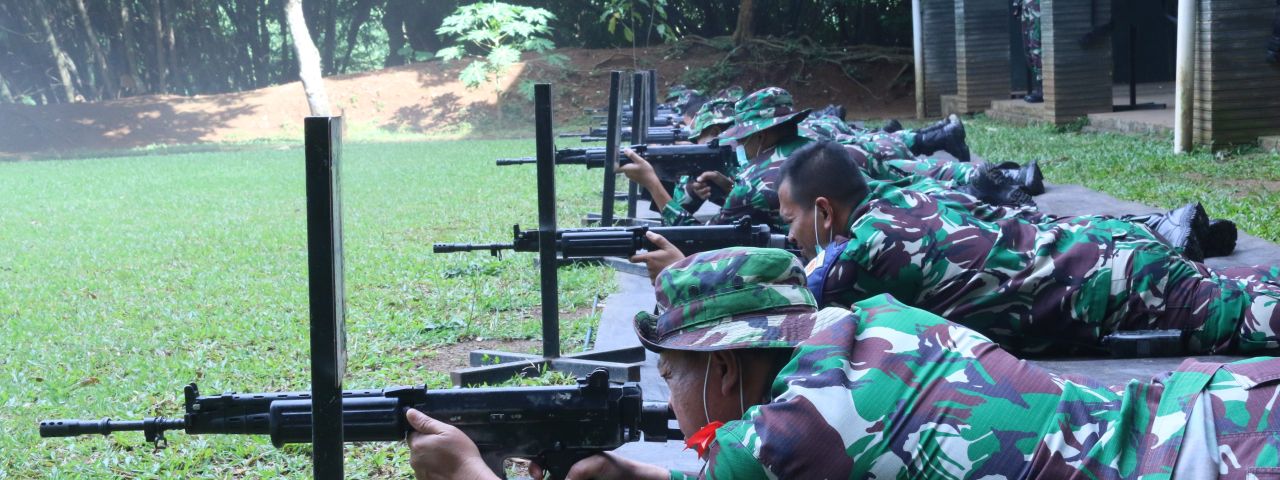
pixel 891 149
pixel 1041 286
pixel 884 390
pixel 1029 12
pixel 754 194
pixel 717 111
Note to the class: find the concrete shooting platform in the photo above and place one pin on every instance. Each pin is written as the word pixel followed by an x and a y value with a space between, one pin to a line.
pixel 636 294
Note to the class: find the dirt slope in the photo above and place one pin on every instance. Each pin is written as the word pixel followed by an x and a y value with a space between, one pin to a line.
pixel 420 98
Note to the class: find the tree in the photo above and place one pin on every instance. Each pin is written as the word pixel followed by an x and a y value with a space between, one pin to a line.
pixel 746 16
pixel 498 33
pixel 308 59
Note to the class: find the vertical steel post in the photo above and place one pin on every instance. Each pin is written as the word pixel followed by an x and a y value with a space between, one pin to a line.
pixel 638 122
pixel 1183 113
pixel 327 296
pixel 546 148
pixel 611 148
pixel 653 91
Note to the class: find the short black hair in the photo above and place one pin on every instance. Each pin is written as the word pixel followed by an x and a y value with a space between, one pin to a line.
pixel 824 169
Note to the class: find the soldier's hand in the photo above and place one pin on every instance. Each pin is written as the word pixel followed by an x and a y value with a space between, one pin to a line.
pixel 701 190
pixel 657 260
pixel 639 170
pixel 718 178
pixel 439 451
pixel 607 466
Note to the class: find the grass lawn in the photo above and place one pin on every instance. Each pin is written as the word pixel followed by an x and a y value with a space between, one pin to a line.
pixel 123 279
pixel 1241 185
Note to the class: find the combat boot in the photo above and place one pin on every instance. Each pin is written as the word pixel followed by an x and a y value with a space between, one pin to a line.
pixel 1221 239
pixel 832 110
pixel 1182 228
pixel 1028 177
pixel 948 138
pixel 990 186
pixel 893 125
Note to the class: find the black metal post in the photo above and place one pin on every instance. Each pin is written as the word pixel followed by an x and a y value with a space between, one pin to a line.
pixel 327 296
pixel 638 122
pixel 488 366
pixel 653 92
pixel 611 149
pixel 546 148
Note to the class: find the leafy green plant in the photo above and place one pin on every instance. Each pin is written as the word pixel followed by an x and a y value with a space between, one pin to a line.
pixel 495 34
pixel 631 13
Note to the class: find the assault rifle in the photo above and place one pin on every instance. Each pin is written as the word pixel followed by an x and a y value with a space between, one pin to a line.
pixel 675 133
pixel 670 162
pixel 553 426
pixel 624 242
pixel 656 136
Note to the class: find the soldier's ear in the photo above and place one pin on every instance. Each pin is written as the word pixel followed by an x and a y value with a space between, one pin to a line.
pixel 727 366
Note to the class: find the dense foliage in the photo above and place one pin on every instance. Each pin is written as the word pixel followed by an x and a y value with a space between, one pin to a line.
pixel 54 51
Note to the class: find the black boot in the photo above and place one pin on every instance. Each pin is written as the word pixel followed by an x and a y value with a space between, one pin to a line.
pixel 992 187
pixel 1182 228
pixel 1221 239
pixel 1036 96
pixel 893 125
pixel 948 137
pixel 1028 177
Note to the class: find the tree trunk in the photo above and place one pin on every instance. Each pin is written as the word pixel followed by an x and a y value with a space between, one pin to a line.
pixel 329 57
pixel 59 57
pixel 129 82
pixel 170 44
pixel 308 59
pixel 745 17
pixel 109 84
pixel 160 85
pixel 360 15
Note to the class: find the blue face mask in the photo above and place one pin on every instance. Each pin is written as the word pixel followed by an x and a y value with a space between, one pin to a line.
pixel 818 270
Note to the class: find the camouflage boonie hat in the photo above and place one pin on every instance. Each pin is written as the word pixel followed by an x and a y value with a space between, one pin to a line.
pixel 674 92
pixel 686 98
pixel 717 111
pixel 727 299
pixel 762 109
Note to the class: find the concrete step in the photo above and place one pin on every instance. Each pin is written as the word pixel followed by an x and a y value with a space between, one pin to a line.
pixel 1132 123
pixel 1270 144
pixel 1017 112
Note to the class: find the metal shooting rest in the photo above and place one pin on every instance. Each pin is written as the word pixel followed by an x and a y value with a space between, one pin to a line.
pixel 489 366
pixel 327 296
pixel 643 103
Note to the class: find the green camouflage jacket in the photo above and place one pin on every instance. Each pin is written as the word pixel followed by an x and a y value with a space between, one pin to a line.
pixel 1056 284
pixel 885 390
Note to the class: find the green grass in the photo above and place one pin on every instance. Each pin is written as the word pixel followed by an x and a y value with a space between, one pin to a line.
pixel 122 279
pixel 1242 185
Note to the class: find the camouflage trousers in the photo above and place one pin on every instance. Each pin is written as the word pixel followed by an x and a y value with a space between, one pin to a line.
pixel 1227 310
pixel 893 159
pixel 1029 13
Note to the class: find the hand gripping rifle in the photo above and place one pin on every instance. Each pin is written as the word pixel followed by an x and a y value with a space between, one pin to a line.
pixel 626 241
pixel 553 426
pixel 670 162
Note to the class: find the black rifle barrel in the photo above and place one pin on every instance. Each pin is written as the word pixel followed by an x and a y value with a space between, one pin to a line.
pixel 624 242
pixel 556 426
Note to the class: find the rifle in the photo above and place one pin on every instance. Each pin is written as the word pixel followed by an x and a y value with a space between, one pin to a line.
pixel 626 241
pixel 657 136
pixel 553 426
pixel 670 162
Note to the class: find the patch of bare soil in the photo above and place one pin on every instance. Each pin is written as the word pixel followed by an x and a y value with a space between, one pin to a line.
pixel 453 356
pixel 1241 187
pixel 419 98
